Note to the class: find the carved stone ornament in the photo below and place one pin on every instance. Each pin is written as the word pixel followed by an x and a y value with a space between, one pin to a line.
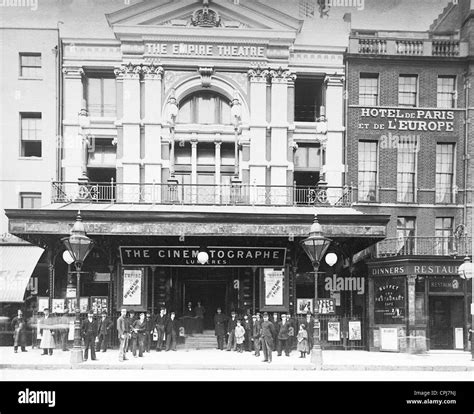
pixel 282 75
pixel 258 74
pixel 205 17
pixel 130 70
pixel 152 71
pixel 206 74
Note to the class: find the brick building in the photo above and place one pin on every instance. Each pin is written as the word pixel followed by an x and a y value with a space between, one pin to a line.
pixel 409 153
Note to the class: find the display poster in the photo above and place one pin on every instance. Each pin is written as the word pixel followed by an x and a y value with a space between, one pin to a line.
pixel 132 286
pixel 458 338
pixel 355 331
pixel 84 304
pixel 273 280
pixel 304 305
pixel 70 334
pixel 99 304
pixel 58 306
pixel 43 302
pixel 326 306
pixel 388 339
pixel 336 296
pixel 334 331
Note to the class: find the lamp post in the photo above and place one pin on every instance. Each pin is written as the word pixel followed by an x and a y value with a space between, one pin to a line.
pixel 79 246
pixel 315 246
pixel 466 271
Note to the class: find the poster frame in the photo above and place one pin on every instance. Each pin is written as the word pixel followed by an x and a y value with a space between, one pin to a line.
pixel 264 307
pixel 142 307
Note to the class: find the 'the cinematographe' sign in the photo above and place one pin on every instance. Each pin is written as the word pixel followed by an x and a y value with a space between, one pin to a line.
pixel 187 256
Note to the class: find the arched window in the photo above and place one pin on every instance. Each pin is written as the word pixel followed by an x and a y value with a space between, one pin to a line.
pixel 204 107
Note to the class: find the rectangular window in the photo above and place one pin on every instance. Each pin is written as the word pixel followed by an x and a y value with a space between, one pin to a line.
pixel 101 98
pixel 444 173
pixel 30 135
pixel 367 173
pixel 407 90
pixel 406 170
pixel 446 92
pixel 444 235
pixel 369 89
pixel 30 200
pixel 30 65
pixel 308 157
pixel 406 235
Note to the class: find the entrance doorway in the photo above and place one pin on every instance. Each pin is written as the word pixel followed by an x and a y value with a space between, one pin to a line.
pixel 211 294
pixel 445 314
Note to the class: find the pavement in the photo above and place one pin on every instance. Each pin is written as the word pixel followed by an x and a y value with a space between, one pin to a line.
pixel 213 359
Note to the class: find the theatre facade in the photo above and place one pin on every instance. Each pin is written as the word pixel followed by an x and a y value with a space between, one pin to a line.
pixel 207 141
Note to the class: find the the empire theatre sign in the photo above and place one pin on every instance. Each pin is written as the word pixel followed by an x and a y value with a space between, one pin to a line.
pixel 204 49
pixel 179 256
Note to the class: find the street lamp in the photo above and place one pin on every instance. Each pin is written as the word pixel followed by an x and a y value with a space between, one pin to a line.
pixel 466 271
pixel 315 246
pixel 79 246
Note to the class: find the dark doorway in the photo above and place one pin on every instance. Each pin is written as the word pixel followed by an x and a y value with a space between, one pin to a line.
pixel 445 314
pixel 211 294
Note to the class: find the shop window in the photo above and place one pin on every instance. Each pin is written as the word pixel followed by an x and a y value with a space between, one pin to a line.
pixel 369 89
pixel 31 131
pixel 444 173
pixel 30 200
pixel 204 108
pixel 308 99
pixel 407 90
pixel 101 96
pixel 367 182
pixel 30 65
pixel 446 92
pixel 406 170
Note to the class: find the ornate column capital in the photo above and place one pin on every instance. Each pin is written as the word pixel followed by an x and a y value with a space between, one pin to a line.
pixel 129 71
pixel 281 75
pixel 411 279
pixel 334 80
pixel 73 72
pixel 258 74
pixel 152 72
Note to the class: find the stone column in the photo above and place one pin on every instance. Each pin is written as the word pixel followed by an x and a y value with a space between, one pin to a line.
pixel 195 188
pixel 258 127
pixel 217 179
pixel 152 124
pixel 72 139
pixel 130 160
pixel 334 167
pixel 279 133
pixel 411 330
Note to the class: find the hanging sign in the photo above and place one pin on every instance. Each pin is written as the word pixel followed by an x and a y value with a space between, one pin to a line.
pixel 132 286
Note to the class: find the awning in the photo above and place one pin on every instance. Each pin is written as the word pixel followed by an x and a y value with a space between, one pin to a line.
pixel 16 266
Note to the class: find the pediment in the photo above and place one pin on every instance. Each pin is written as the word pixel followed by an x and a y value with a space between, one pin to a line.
pixel 219 14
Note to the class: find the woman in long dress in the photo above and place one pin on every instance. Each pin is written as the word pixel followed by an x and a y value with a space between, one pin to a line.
pixel 46 326
pixel 302 345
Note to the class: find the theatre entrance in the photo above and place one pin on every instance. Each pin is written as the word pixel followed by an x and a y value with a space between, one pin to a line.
pixel 211 286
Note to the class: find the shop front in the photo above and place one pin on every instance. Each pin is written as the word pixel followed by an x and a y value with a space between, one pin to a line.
pixel 416 305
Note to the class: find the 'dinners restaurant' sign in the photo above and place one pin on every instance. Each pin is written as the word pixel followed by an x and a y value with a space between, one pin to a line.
pixel 180 256
pixel 389 119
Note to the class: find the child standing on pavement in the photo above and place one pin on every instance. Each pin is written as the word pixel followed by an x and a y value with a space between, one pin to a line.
pixel 239 336
pixel 302 338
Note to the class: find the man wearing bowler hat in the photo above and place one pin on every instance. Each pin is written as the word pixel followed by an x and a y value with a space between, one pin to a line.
pixel 267 332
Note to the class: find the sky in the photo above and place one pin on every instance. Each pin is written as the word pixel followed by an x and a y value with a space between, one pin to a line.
pixel 414 15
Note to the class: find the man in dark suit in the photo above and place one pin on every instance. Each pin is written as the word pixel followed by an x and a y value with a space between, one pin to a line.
pixel 171 330
pixel 123 330
pixel 160 323
pixel 256 326
pixel 19 329
pixel 105 325
pixel 283 338
pixel 89 331
pixel 150 326
pixel 267 332
pixel 219 328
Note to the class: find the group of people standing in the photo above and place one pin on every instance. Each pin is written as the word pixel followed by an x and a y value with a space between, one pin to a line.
pixel 137 334
pixel 264 334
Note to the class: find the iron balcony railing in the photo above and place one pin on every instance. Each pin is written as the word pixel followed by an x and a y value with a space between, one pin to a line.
pixel 190 194
pixel 424 246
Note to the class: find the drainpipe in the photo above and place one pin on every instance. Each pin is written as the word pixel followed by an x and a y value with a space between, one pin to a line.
pixel 59 106
pixel 467 86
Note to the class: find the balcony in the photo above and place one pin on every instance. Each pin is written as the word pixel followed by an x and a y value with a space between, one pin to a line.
pixel 203 194
pixel 390 43
pixel 424 246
